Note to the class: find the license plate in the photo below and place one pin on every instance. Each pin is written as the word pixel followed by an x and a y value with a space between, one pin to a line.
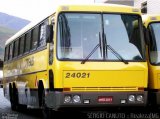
pixel 105 99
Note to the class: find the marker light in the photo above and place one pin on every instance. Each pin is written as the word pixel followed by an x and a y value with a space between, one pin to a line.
pixel 67 99
pixel 76 99
pixel 140 98
pixel 131 98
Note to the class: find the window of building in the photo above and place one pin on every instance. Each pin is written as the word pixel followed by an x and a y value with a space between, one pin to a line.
pixel 144 7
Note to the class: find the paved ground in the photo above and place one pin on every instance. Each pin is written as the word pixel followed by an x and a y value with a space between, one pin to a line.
pixel 111 113
pixel 7 113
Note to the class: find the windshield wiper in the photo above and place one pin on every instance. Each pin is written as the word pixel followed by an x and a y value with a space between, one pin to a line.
pixel 94 49
pixel 108 47
pixel 100 43
pixel 116 54
pixel 90 54
pixel 114 51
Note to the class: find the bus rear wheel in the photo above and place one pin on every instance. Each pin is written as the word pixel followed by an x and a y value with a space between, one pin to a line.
pixel 13 97
pixel 48 113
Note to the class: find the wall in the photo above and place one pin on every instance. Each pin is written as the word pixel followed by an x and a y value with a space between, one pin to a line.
pixel 137 3
pixel 121 2
pixel 153 6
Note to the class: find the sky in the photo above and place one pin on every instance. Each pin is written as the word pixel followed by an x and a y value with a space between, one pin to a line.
pixel 34 9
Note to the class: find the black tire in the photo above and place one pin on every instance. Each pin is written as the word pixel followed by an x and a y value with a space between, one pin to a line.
pixel 21 107
pixel 41 93
pixel 12 97
pixel 49 113
pixel 15 106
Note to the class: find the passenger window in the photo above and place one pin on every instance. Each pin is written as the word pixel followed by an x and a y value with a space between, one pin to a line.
pixel 42 40
pixel 10 51
pixel 6 53
pixel 35 38
pixel 15 48
pixel 28 41
pixel 21 45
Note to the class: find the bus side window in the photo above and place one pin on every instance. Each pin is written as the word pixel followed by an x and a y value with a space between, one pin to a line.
pixel 35 37
pixel 42 39
pixel 15 51
pixel 28 41
pixel 10 51
pixel 6 53
pixel 21 49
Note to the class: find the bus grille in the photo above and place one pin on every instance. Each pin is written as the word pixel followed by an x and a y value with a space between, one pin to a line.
pixel 102 89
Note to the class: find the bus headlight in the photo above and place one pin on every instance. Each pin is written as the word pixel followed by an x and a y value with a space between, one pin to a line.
pixel 131 98
pixel 76 99
pixel 67 98
pixel 140 98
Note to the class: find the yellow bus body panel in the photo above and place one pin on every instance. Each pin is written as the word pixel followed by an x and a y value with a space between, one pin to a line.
pixel 147 19
pixel 103 76
pixel 28 70
pixel 154 77
pixel 154 71
pixel 98 8
pixel 99 77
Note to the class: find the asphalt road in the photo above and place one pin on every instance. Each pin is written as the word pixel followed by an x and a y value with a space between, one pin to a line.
pixel 7 113
pixel 108 113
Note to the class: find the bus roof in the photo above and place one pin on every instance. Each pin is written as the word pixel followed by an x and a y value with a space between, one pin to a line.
pixel 96 7
pixel 23 30
pixel 148 18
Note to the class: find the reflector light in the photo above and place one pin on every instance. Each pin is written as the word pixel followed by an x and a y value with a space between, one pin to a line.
pixel 135 10
pixel 123 101
pixel 153 18
pixel 65 8
pixel 66 89
pixel 86 101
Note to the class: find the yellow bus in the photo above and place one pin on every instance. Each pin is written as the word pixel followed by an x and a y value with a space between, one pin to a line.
pixel 152 24
pixel 80 56
pixel 1 73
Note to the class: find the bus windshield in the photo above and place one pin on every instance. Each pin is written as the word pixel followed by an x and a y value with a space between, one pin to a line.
pixel 79 34
pixel 154 46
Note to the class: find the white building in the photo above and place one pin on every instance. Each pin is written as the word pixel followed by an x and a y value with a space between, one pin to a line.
pixel 121 2
pixel 148 6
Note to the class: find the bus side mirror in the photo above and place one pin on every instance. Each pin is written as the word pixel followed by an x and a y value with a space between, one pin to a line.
pixel 49 33
pixel 146 35
pixel 1 64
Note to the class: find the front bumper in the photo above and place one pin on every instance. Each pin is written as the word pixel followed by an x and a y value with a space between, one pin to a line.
pixel 55 100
